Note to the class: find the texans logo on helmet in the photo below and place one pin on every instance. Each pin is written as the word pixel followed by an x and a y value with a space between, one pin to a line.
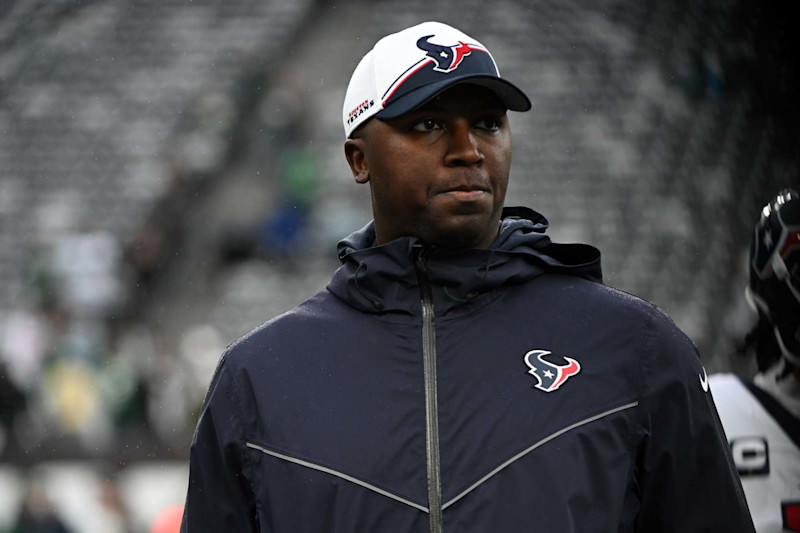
pixel 549 376
pixel 766 239
pixel 447 58
pixel 775 238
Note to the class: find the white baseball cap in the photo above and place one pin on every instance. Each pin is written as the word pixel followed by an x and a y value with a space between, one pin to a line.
pixel 406 69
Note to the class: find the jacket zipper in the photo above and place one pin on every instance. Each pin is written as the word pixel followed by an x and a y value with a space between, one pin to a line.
pixel 431 401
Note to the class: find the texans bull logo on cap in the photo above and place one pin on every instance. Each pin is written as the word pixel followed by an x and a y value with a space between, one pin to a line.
pixel 447 58
pixel 549 376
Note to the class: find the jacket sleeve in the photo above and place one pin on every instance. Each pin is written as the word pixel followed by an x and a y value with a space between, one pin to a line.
pixel 686 477
pixel 219 496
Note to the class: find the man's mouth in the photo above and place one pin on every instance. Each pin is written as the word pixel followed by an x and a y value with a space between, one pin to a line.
pixel 465 193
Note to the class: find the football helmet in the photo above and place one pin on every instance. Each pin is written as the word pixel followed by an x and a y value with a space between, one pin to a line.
pixel 774 287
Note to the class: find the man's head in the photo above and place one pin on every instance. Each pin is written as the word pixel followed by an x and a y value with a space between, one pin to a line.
pixel 425 116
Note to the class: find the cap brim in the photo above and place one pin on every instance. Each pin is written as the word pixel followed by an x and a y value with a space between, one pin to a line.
pixel 508 94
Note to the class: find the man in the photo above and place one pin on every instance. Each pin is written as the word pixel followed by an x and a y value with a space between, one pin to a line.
pixel 762 417
pixel 460 372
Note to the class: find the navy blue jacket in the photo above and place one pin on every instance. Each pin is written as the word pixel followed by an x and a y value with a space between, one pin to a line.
pixel 496 390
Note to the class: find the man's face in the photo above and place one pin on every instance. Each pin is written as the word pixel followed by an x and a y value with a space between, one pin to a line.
pixel 440 172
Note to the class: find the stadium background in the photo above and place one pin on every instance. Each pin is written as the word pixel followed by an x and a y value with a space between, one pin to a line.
pixel 171 175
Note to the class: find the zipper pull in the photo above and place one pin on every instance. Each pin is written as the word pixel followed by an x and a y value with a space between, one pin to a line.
pixel 421 256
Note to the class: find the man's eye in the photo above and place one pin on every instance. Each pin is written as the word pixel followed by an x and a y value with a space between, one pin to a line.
pixel 428 124
pixel 491 123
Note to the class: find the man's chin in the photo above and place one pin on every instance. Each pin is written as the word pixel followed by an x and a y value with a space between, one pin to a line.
pixel 470 234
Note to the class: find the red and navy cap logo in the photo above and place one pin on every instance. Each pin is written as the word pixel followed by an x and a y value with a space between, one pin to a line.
pixel 440 63
pixel 447 58
pixel 549 376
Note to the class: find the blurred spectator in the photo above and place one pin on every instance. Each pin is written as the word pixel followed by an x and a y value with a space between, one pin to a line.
pixel 86 263
pixel 24 341
pixel 72 401
pixel 199 351
pixel 38 514
pixel 155 246
pixel 284 231
pixel 111 513
pixel 12 402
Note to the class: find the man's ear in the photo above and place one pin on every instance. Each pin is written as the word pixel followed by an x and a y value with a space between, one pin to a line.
pixel 355 152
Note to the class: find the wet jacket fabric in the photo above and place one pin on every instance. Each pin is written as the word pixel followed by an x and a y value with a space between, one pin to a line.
pixel 501 390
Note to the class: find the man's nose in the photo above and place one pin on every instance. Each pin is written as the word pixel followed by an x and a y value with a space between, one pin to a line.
pixel 463 148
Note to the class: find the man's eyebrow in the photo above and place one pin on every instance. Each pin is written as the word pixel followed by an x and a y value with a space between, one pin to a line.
pixel 436 107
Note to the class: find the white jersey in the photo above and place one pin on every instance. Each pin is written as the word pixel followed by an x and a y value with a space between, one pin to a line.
pixel 765 442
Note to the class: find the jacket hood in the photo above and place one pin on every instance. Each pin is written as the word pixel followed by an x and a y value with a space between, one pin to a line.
pixel 384 278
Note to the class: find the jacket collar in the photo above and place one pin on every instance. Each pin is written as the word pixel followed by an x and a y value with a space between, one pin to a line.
pixel 383 278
